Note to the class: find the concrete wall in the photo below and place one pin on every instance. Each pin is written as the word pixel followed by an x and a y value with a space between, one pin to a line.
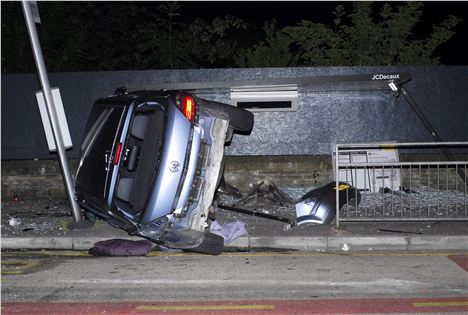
pixel 321 119
pixel 41 179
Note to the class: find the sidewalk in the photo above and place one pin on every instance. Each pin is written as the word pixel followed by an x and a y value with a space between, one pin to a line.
pixel 44 225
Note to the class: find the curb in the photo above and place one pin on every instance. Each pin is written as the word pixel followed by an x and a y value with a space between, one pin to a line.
pixel 401 243
pixel 316 243
pixel 37 243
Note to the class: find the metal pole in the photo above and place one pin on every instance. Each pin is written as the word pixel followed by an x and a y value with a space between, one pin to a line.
pixel 41 69
pixel 430 129
pixel 337 183
pixel 258 214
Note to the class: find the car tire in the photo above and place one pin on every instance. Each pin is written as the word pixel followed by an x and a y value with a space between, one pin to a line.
pixel 212 244
pixel 240 119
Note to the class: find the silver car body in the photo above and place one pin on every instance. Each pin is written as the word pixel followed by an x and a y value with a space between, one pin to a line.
pixel 183 176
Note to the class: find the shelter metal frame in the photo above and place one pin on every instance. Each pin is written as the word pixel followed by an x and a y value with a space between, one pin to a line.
pixel 431 191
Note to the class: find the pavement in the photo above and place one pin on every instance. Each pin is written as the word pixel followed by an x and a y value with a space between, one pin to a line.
pixel 46 224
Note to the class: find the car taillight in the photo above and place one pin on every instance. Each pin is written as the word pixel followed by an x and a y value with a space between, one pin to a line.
pixel 188 107
pixel 118 152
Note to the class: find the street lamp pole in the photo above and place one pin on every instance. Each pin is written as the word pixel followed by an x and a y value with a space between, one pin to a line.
pixel 51 111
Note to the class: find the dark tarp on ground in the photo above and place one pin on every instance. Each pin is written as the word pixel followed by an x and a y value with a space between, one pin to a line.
pixel 121 247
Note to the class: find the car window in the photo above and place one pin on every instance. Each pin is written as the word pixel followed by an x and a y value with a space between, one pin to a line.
pixel 92 129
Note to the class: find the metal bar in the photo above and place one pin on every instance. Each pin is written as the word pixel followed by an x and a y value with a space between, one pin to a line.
pixel 357 82
pixel 420 185
pixel 383 195
pixel 400 198
pixel 387 145
pixel 390 164
pixel 398 231
pixel 337 195
pixel 391 180
pixel 410 187
pixel 258 214
pixel 347 209
pixel 447 191
pixel 366 172
pixel 399 219
pixel 438 187
pixel 356 201
pixel 374 207
pixel 456 184
pixel 407 202
pixel 44 80
pixel 429 128
pixel 428 186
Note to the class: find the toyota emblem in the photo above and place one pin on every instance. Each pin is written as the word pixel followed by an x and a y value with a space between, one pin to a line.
pixel 174 166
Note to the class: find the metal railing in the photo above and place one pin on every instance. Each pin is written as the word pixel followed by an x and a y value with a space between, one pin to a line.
pixel 402 191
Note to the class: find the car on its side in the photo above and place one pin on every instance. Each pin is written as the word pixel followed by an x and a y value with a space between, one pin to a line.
pixel 151 162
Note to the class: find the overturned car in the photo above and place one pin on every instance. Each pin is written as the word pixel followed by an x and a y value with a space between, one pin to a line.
pixel 151 162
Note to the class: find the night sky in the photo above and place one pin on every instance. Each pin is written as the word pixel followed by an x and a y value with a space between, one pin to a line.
pixel 289 12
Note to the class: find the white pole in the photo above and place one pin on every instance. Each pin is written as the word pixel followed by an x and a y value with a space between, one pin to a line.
pixel 41 69
pixel 337 185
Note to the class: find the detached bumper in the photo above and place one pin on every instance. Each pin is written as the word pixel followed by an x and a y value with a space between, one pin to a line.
pixel 319 205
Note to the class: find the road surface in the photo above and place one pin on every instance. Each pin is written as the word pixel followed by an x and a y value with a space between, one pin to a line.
pixel 234 283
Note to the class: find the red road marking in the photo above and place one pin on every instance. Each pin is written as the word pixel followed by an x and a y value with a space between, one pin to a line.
pixel 461 260
pixel 298 307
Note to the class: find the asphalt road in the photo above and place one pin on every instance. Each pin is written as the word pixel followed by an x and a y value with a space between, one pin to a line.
pixel 73 282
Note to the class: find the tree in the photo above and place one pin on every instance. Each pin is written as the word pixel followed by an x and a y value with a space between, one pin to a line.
pixel 211 45
pixel 96 36
pixel 275 51
pixel 359 38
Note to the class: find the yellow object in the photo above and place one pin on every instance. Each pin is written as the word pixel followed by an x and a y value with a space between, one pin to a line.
pixel 388 147
pixel 448 303
pixel 342 187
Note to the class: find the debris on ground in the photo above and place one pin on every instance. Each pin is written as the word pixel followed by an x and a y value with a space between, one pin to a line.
pixel 424 201
pixel 338 231
pixel 228 190
pixel 165 249
pixel 229 231
pixel 14 221
pixel 398 231
pixel 34 217
pixel 265 195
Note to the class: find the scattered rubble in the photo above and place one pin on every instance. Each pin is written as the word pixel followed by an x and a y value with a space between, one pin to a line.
pixel 264 194
pixel 14 222
pixel 424 202
pixel 35 217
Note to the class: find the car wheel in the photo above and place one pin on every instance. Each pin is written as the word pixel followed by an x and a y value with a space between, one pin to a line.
pixel 240 119
pixel 212 244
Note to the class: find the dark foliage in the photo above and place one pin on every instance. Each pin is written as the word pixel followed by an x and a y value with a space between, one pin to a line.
pixel 97 36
